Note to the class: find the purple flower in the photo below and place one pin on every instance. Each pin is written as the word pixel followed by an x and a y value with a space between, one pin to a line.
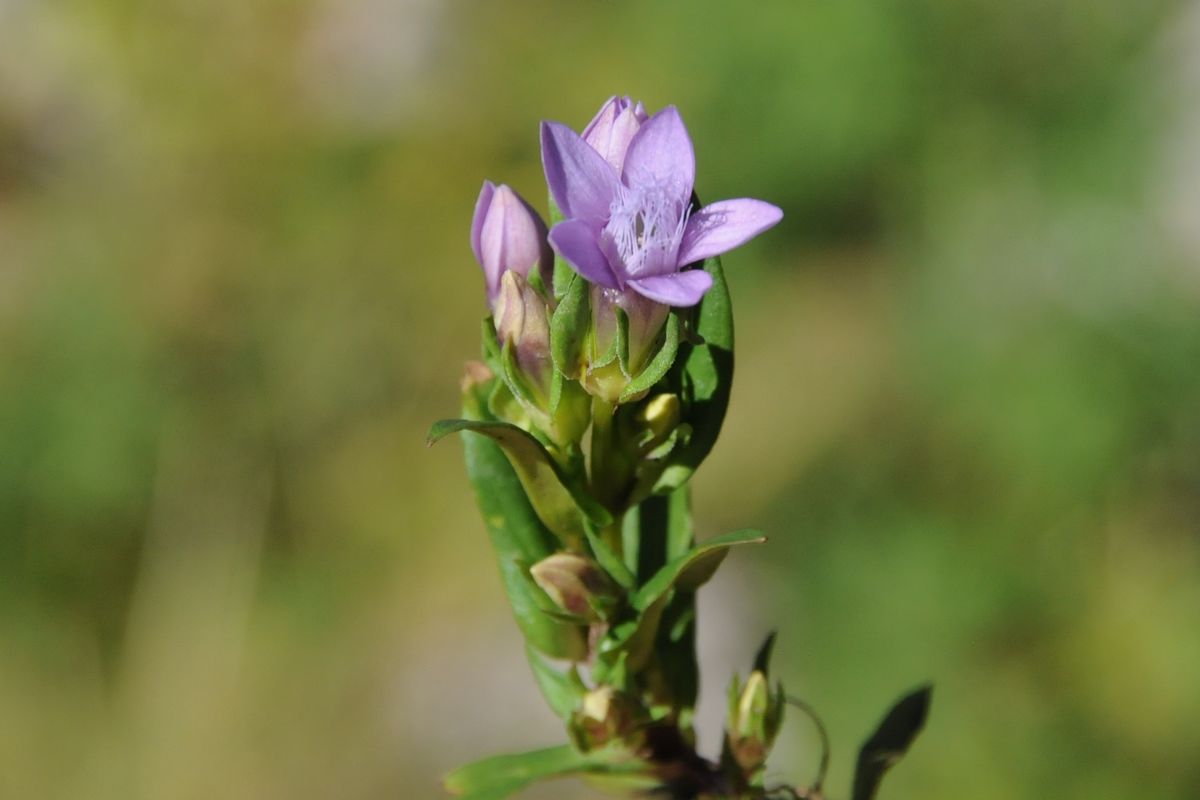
pixel 628 227
pixel 506 234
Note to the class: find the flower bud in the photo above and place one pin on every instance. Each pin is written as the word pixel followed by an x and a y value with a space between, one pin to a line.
pixel 476 376
pixel 660 415
pixel 754 718
pixel 613 127
pixel 604 716
pixel 522 322
pixel 506 234
pixel 576 584
pixel 603 376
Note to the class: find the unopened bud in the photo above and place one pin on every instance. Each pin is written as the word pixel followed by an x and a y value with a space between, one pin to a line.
pixel 522 322
pixel 576 584
pixel 612 129
pixel 604 377
pixel 507 235
pixel 660 415
pixel 604 716
pixel 755 716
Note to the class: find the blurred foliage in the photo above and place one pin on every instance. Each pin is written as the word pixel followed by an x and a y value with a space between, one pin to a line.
pixel 235 286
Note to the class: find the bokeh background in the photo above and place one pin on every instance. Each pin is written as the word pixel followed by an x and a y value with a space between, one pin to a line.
pixel 235 288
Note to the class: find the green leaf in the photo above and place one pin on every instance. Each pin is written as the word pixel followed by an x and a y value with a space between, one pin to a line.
pixel 562 270
pixel 518 538
pixel 690 571
pixel 705 375
pixel 762 661
pixel 502 776
pixel 563 689
pixel 656 531
pixel 510 372
pixel 622 339
pixel 559 504
pixel 658 367
pixel 635 637
pixel 890 741
pixel 569 326
pixel 488 343
pixel 608 559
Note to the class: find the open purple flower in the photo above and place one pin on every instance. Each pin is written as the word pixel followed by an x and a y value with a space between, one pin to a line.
pixel 630 228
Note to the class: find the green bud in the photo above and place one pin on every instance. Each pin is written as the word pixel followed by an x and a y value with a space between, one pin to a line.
pixel 659 418
pixel 624 337
pixel 755 714
pixel 605 715
pixel 577 585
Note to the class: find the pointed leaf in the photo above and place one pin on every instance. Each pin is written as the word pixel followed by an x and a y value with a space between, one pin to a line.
pixel 563 689
pixel 890 741
pixel 622 339
pixel 559 505
pixel 762 661
pixel 656 531
pixel 569 326
pixel 502 776
pixel 488 343
pixel 563 274
pixel 693 569
pixel 518 537
pixel 658 367
pixel 705 375
pixel 608 559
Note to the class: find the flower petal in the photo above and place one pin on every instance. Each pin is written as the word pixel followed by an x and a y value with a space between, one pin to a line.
pixel 481 207
pixel 678 289
pixel 575 240
pixel 661 154
pixel 582 182
pixel 613 127
pixel 603 119
pixel 724 225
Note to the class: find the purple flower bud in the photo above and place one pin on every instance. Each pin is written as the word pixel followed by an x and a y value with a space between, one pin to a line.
pixel 507 234
pixel 613 127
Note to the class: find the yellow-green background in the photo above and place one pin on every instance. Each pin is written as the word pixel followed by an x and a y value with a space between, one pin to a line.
pixel 235 287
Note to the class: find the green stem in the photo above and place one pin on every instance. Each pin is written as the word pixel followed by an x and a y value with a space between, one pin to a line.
pixel 602 450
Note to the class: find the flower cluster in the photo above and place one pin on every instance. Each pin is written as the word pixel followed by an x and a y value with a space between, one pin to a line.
pixel 630 229
pixel 606 368
pixel 604 379
pixel 604 382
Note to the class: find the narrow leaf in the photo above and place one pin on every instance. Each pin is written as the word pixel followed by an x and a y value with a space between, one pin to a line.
pixel 563 689
pixel 559 505
pixel 694 568
pixel 890 741
pixel 705 375
pixel 762 661
pixel 654 372
pixel 518 538
pixel 608 559
pixel 502 776
pixel 569 326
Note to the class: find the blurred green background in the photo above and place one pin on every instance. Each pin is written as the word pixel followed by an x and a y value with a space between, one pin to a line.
pixel 235 288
